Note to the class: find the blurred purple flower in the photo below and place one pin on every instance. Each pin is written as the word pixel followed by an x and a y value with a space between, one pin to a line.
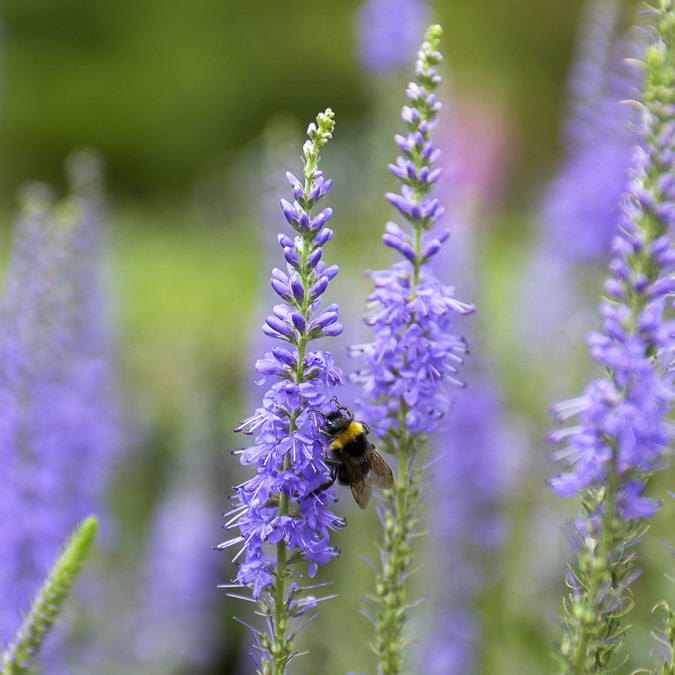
pixel 464 496
pixel 582 203
pixel 389 32
pixel 58 430
pixel 622 433
pixel 176 628
pixel 621 426
pixel 470 467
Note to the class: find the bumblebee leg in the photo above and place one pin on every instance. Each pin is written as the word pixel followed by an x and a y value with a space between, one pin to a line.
pixel 333 476
pixel 339 406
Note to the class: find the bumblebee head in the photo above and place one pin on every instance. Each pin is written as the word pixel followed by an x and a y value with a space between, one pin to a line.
pixel 338 421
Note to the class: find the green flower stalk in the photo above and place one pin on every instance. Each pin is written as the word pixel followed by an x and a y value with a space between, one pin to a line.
pixel 49 600
pixel 415 354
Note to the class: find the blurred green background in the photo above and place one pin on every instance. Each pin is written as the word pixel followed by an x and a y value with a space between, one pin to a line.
pixel 178 97
pixel 165 90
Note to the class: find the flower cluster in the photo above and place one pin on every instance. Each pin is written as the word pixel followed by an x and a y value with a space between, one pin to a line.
pixel 59 428
pixel 621 434
pixel 414 355
pixel 284 504
pixel 621 427
pixel 415 352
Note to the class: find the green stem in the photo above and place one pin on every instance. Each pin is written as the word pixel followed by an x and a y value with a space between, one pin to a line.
pixel 417 247
pixel 601 597
pixel 281 646
pixel 391 587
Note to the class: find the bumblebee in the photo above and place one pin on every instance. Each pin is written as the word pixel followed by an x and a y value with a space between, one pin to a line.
pixel 353 459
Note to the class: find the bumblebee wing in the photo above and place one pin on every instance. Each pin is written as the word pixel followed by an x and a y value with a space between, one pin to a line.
pixel 362 492
pixel 357 479
pixel 381 475
pixel 353 471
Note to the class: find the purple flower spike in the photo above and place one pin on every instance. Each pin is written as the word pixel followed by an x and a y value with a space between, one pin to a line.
pixel 582 202
pixel 643 275
pixel 411 311
pixel 621 432
pixel 414 357
pixel 283 507
pixel 59 428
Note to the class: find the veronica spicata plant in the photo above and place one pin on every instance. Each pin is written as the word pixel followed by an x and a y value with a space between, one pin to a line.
pixel 59 427
pixel 621 432
pixel 281 512
pixel 579 213
pixel 414 355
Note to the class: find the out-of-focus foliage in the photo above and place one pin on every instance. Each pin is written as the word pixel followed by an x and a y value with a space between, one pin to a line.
pixel 165 90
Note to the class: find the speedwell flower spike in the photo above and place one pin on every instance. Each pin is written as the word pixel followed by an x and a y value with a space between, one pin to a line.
pixel 582 202
pixel 59 428
pixel 280 513
pixel 415 355
pixel 621 432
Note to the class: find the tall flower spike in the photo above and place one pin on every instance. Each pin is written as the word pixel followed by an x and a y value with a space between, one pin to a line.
pixel 414 356
pixel 59 427
pixel 621 431
pixel 580 210
pixel 283 507
pixel 579 213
